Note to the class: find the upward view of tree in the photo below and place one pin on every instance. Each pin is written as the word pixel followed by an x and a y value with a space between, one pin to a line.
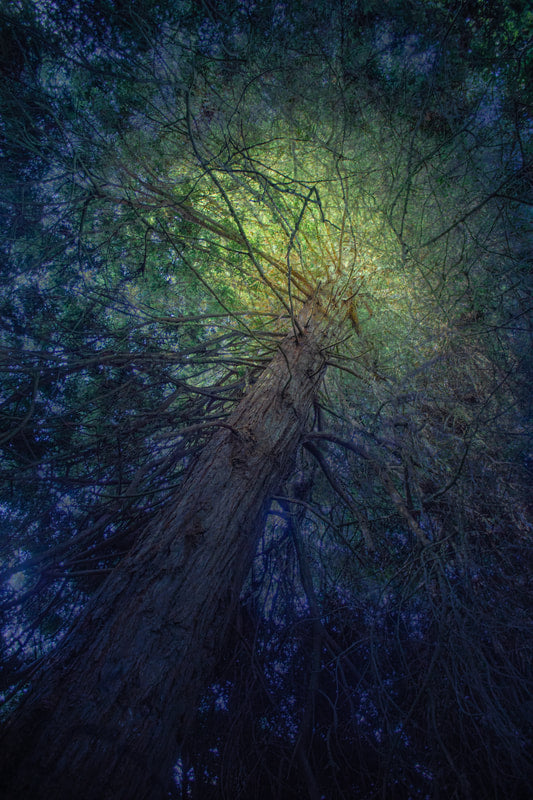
pixel 266 341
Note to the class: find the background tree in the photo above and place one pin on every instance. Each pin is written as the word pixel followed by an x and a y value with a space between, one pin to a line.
pixel 189 193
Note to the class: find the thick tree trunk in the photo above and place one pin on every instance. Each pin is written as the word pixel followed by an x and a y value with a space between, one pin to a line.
pixel 106 717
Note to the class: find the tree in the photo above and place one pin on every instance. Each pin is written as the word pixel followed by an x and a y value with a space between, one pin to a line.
pixel 268 370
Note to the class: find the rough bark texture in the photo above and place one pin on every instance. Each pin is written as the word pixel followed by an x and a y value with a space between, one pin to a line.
pixel 104 721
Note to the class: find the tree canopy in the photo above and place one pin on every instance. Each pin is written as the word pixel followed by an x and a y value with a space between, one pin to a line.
pixel 178 181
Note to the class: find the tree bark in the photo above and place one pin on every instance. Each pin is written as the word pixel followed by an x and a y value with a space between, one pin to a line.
pixel 106 717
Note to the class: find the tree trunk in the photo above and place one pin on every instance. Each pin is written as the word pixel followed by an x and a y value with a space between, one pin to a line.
pixel 106 717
